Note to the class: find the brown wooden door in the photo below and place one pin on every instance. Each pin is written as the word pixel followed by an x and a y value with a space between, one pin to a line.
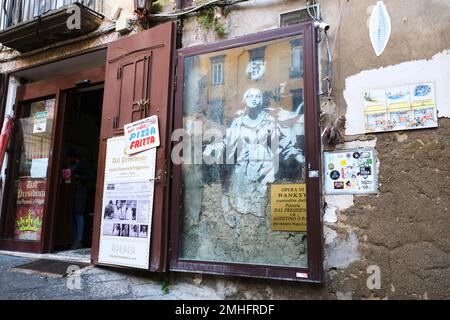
pixel 138 84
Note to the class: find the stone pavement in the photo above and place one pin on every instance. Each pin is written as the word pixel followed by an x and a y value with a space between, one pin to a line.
pixel 92 283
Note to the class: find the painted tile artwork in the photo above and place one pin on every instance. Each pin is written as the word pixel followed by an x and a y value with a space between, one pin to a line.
pixel 400 108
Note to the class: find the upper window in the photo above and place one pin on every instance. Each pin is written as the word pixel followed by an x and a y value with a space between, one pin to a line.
pixel 296 70
pixel 246 204
pixel 256 65
pixel 217 70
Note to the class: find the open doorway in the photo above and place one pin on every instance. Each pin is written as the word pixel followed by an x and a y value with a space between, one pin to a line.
pixel 74 214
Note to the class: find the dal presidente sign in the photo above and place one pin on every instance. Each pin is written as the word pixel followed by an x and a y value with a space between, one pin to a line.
pixel 142 135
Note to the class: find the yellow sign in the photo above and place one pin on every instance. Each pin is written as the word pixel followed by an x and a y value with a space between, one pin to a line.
pixel 288 207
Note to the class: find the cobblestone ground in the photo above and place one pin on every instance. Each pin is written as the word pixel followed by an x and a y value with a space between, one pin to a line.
pixel 94 284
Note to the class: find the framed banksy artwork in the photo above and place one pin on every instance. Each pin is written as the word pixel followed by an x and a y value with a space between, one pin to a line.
pixel 245 203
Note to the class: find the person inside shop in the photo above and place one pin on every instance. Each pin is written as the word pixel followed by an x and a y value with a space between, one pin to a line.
pixel 82 175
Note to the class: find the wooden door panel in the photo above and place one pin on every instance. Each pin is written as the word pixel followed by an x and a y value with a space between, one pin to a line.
pixel 133 91
pixel 138 84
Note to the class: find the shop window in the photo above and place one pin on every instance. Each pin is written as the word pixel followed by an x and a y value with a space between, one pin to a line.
pixel 217 70
pixel 296 70
pixel 246 189
pixel 33 140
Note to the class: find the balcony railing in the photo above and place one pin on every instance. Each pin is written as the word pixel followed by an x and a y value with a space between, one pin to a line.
pixel 13 12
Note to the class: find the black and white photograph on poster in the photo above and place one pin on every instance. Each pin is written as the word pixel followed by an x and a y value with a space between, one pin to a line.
pixel 111 229
pixel 125 230
pixel 134 231
pixel 143 232
pixel 351 172
pixel 121 210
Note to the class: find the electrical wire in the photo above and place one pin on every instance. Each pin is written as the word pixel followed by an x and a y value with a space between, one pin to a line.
pixel 180 13
pixel 329 65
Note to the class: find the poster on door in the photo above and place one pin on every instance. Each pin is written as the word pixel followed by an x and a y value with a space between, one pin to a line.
pixel 142 135
pixel 127 206
pixel 351 172
pixel 29 209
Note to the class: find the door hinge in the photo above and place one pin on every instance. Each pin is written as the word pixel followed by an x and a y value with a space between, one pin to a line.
pixel 165 173
pixel 174 85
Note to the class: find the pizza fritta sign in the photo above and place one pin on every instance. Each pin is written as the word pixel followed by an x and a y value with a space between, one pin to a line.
pixel 142 135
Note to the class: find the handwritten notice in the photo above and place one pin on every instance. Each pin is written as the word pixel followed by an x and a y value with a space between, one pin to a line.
pixel 288 207
pixel 142 135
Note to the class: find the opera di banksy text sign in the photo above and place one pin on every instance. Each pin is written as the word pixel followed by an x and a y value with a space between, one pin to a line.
pixel 288 207
pixel 142 135
pixel 127 206
pixel 351 172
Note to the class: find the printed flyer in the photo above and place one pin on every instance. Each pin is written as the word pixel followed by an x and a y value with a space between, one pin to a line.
pixel 351 172
pixel 127 206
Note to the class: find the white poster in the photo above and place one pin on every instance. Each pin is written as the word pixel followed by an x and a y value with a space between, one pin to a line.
pixel 351 172
pixel 40 122
pixel 127 206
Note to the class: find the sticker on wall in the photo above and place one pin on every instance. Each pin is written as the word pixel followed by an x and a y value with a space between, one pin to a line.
pixel 400 108
pixel 356 175
pixel 379 28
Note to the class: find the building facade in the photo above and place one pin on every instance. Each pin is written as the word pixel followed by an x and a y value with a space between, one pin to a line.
pixel 314 142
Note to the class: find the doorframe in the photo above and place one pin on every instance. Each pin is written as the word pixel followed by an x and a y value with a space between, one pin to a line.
pixel 57 87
